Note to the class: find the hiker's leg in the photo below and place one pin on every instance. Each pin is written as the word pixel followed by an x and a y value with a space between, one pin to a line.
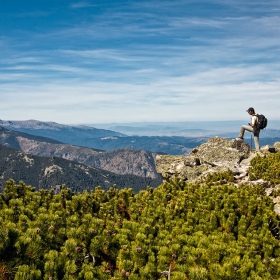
pixel 256 140
pixel 242 130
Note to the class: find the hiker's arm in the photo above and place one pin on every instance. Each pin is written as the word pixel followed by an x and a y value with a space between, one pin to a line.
pixel 254 120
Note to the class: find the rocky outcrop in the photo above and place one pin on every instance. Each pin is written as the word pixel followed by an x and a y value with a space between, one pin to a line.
pixel 277 146
pixel 271 149
pixel 217 155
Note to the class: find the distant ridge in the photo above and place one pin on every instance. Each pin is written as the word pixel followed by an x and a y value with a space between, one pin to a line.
pixel 103 139
pixel 60 132
pixel 10 138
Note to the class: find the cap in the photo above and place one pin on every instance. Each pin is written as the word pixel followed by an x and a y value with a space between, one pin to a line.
pixel 250 109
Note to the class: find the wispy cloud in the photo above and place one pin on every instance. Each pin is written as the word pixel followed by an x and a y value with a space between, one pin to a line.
pixel 79 5
pixel 179 96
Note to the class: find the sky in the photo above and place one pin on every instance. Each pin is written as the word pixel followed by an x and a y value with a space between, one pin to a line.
pixel 109 61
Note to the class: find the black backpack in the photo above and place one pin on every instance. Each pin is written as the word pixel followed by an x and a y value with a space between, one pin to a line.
pixel 262 121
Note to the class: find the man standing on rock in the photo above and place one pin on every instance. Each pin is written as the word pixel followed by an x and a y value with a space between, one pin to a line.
pixel 252 127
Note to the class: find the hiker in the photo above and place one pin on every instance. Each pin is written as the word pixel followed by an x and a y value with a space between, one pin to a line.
pixel 252 127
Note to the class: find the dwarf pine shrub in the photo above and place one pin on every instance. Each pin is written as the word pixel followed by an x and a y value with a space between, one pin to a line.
pixel 219 177
pixel 266 167
pixel 187 231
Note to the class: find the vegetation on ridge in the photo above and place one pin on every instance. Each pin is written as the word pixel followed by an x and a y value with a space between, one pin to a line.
pixel 190 231
pixel 266 167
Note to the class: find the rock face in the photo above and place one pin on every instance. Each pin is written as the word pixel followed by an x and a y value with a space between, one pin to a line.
pixel 216 155
pixel 122 161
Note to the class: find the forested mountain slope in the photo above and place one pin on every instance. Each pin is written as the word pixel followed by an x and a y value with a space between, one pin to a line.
pixel 43 172
pixel 122 161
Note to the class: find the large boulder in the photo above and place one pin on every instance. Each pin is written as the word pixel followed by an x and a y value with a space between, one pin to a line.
pixel 216 155
pixel 271 149
pixel 220 151
pixel 277 146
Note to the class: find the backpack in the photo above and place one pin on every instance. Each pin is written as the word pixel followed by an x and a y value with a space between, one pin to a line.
pixel 262 121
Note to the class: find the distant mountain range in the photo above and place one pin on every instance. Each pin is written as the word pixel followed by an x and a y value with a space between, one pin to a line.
pixel 63 133
pixel 47 172
pixel 228 129
pixel 173 145
pixel 105 139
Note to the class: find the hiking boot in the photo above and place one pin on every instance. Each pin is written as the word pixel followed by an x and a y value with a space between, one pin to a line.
pixel 239 138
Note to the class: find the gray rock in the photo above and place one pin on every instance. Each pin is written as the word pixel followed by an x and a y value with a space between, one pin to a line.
pixel 277 146
pixel 277 208
pixel 216 155
pixel 268 148
pixel 261 182
pixel 276 199
pixel 269 191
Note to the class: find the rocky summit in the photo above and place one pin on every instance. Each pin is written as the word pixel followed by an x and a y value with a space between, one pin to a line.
pixel 216 155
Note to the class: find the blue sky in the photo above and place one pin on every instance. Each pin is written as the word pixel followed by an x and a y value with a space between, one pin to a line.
pixel 133 61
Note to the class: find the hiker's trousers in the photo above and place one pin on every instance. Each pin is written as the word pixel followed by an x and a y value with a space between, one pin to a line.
pixel 255 132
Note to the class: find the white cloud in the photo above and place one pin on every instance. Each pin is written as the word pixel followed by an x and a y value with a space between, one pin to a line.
pixel 221 91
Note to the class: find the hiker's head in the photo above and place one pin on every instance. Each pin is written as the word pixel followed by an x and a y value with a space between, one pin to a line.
pixel 251 111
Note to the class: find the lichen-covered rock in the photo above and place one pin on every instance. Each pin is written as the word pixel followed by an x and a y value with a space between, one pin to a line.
pixel 268 149
pixel 261 182
pixel 276 199
pixel 277 146
pixel 168 165
pixel 218 151
pixel 216 155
